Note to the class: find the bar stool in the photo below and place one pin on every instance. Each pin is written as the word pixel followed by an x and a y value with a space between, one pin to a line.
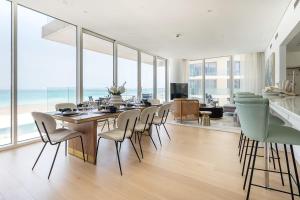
pixel 254 118
pixel 272 120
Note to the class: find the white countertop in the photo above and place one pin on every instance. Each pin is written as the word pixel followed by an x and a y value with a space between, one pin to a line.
pixel 290 103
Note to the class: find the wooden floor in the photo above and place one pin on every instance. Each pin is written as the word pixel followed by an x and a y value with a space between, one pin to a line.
pixel 196 164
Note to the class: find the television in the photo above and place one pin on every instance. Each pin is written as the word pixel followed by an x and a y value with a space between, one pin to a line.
pixel 179 90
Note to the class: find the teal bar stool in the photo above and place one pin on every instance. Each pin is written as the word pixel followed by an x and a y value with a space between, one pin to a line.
pixel 245 142
pixel 272 118
pixel 254 118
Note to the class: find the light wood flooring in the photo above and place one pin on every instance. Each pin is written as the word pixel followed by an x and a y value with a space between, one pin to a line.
pixel 196 164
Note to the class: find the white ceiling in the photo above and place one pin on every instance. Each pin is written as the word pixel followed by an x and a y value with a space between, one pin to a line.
pixel 232 26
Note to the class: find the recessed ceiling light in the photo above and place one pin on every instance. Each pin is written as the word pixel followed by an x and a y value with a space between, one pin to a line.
pixel 178 35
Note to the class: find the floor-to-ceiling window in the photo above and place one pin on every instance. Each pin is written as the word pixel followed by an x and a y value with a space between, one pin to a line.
pixel 236 70
pixel 97 66
pixel 46 66
pixel 217 76
pixel 161 79
pixel 195 79
pixel 147 75
pixel 5 75
pixel 127 71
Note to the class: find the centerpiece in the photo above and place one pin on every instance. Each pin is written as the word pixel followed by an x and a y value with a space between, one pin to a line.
pixel 115 94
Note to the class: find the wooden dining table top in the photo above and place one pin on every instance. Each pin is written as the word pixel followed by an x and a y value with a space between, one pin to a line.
pixel 90 115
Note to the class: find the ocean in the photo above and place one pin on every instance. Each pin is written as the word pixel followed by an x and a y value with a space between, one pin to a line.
pixel 45 99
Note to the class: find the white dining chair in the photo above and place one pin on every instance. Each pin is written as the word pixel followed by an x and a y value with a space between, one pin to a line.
pixel 143 127
pixel 126 123
pixel 154 101
pixel 60 106
pixel 49 133
pixel 161 119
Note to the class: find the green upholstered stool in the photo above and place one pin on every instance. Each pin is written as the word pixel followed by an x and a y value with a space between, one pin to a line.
pixel 255 123
pixel 244 141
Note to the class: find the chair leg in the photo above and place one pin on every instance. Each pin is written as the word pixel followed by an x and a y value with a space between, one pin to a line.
pixel 66 148
pixel 82 148
pixel 118 156
pixel 279 163
pixel 272 152
pixel 158 135
pixel 166 131
pixel 295 168
pixel 54 160
pixel 135 150
pixel 240 143
pixel 97 149
pixel 248 166
pixel 245 158
pixel 39 155
pixel 120 145
pixel 140 138
pixel 153 141
pixel 243 146
pixel 103 126
pixel 252 170
pixel 108 127
pixel 289 173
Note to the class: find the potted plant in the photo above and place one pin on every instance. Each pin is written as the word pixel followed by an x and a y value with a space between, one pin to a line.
pixel 115 93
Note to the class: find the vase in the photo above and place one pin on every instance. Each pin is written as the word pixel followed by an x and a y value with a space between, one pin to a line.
pixel 116 100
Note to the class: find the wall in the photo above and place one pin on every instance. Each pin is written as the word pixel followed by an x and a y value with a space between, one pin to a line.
pixel 178 70
pixel 293 59
pixel 288 23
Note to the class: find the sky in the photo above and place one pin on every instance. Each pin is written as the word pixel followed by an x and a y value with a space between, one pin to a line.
pixel 43 63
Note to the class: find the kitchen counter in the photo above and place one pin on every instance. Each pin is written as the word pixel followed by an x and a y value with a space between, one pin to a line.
pixel 288 108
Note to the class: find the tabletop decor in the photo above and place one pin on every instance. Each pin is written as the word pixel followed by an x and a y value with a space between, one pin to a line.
pixel 115 93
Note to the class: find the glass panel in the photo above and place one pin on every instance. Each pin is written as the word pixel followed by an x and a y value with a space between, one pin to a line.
pixel 161 79
pixel 217 79
pixel 97 66
pixel 127 71
pixel 5 75
pixel 237 78
pixel 147 76
pixel 46 67
pixel 195 79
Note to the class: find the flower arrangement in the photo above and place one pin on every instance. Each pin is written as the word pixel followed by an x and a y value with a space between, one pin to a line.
pixel 115 90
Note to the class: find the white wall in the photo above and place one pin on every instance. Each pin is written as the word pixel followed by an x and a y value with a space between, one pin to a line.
pixel 289 21
pixel 293 59
pixel 178 70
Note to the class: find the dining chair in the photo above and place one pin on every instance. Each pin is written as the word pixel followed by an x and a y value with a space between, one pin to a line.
pixel 60 106
pixel 161 119
pixel 154 101
pixel 49 133
pixel 101 122
pixel 126 123
pixel 143 127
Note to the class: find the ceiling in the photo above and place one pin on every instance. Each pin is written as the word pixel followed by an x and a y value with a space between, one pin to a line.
pixel 208 28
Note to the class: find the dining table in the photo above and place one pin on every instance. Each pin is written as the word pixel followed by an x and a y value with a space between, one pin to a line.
pixel 86 122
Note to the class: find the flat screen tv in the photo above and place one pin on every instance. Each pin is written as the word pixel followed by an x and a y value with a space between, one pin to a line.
pixel 179 90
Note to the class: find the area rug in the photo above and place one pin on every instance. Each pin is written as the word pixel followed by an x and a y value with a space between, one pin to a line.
pixel 225 124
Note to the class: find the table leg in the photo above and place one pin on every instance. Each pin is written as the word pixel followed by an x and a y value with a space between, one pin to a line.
pixel 266 156
pixel 89 129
